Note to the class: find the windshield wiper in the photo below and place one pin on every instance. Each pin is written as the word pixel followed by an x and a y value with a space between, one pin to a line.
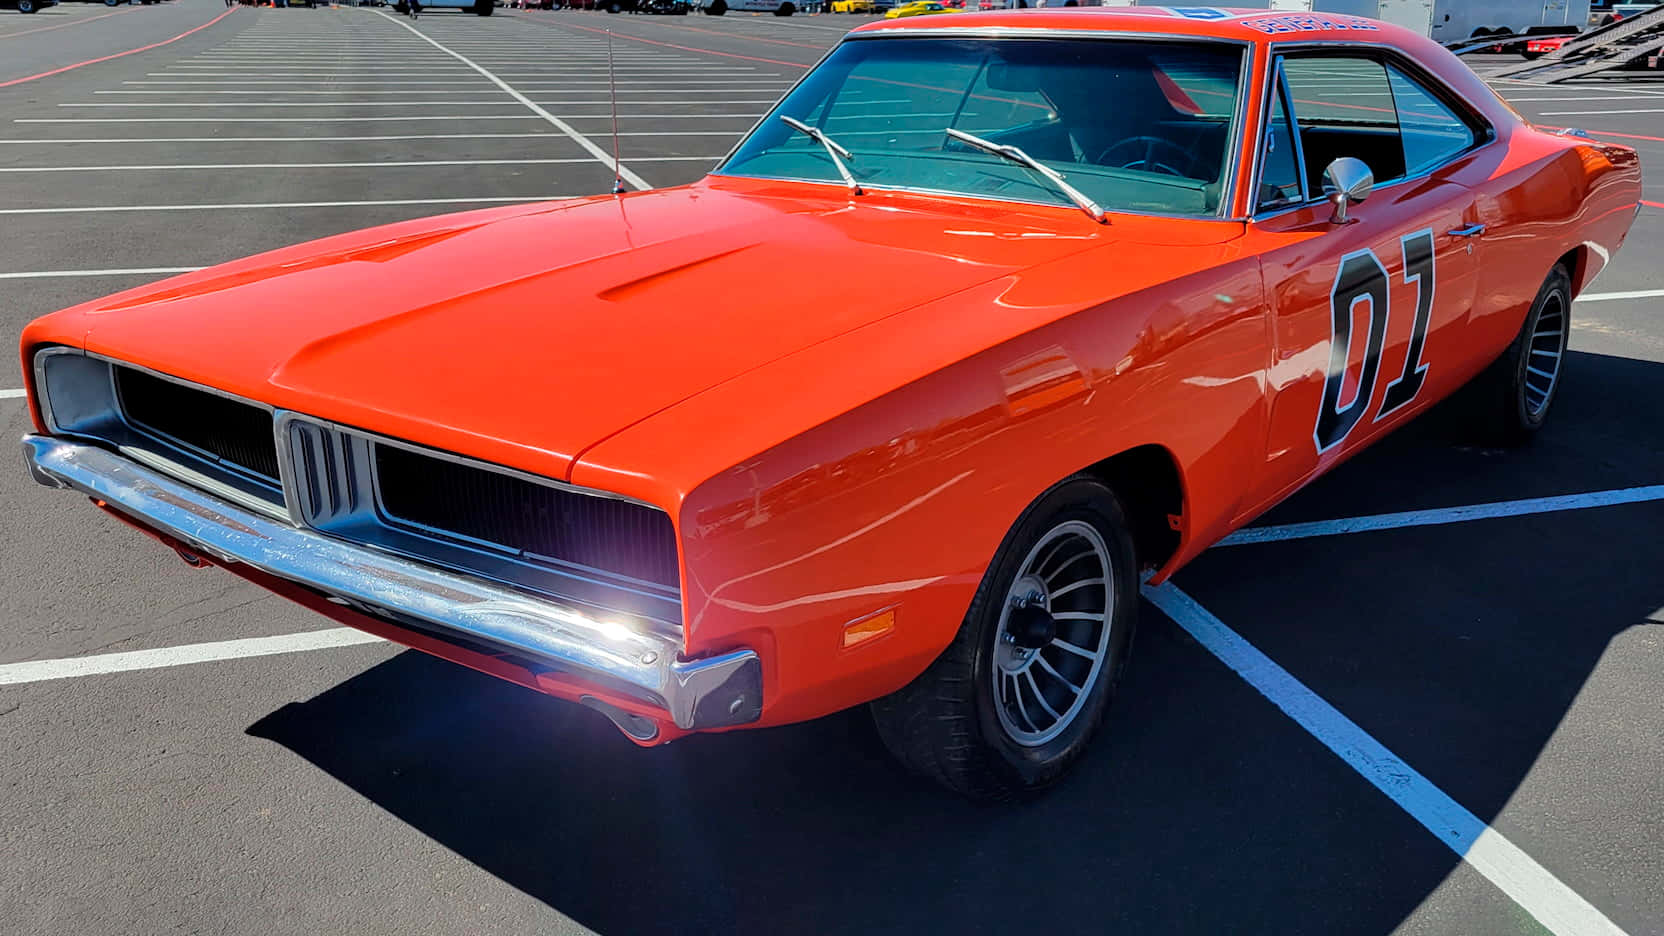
pixel 838 153
pixel 1016 155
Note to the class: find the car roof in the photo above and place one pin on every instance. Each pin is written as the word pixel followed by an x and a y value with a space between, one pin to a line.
pixel 1257 26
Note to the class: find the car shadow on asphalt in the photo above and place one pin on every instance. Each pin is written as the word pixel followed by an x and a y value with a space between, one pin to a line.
pixel 1200 809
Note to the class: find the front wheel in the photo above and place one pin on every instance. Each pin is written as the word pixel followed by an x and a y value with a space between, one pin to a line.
pixel 1017 696
pixel 785 9
pixel 485 7
pixel 1514 394
pixel 26 6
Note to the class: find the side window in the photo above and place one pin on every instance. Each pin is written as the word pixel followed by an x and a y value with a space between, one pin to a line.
pixel 1343 106
pixel 1350 105
pixel 1432 132
pixel 1279 163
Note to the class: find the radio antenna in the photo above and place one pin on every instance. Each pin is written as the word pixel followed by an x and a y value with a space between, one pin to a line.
pixel 612 92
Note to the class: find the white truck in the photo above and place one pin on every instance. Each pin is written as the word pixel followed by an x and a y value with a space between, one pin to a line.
pixel 1443 20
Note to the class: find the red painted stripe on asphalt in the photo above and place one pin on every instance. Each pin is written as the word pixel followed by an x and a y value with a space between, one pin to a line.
pixel 1652 204
pixel 106 58
pixel 672 45
pixel 1626 136
pixel 28 32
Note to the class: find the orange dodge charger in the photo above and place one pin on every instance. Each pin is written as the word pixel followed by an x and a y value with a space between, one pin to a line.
pixel 990 317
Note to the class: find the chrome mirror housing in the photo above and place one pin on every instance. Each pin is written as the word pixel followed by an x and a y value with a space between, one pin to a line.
pixel 1345 181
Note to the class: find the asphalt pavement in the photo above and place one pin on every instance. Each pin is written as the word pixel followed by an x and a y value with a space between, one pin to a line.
pixel 1514 663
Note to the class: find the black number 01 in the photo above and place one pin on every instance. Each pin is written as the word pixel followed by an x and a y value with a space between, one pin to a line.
pixel 1362 278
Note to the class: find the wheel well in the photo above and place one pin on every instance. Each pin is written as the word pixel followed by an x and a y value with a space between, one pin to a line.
pixel 1576 262
pixel 1148 483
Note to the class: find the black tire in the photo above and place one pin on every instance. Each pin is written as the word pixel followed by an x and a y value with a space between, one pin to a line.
pixel 716 8
pixel 1532 56
pixel 26 6
pixel 1512 397
pixel 401 8
pixel 947 725
pixel 785 9
pixel 111 3
pixel 615 7
pixel 485 7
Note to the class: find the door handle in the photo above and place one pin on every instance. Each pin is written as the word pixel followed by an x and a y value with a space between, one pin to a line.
pixel 1472 230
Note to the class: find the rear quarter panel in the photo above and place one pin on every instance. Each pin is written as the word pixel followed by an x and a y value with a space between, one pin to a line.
pixel 1550 197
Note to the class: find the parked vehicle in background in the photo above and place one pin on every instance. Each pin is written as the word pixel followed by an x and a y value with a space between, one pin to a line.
pixel 1442 20
pixel 719 7
pixel 919 8
pixel 666 7
pixel 854 6
pixel 1621 10
pixel 28 6
pixel 1537 48
pixel 480 7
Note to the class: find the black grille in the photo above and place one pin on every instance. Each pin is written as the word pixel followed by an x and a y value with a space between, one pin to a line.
pixel 232 433
pixel 598 532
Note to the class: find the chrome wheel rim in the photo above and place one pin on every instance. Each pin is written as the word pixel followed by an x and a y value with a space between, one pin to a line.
pixel 1053 634
pixel 1544 354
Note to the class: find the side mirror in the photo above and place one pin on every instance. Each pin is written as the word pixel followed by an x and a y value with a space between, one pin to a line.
pixel 1347 180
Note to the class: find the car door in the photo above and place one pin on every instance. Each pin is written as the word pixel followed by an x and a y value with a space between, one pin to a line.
pixel 1367 314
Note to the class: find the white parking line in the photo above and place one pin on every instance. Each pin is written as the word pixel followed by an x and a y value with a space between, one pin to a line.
pixel 79 120
pixel 457 74
pixel 600 154
pixel 1601 97
pixel 357 92
pixel 236 83
pixel 12 394
pixel 771 80
pixel 1604 113
pixel 1631 294
pixel 376 164
pixel 622 117
pixel 251 205
pixel 243 106
pixel 41 670
pixel 344 73
pixel 400 136
pixel 751 87
pixel 70 274
pixel 1564 87
pixel 247 105
pixel 1538 892
pixel 1442 515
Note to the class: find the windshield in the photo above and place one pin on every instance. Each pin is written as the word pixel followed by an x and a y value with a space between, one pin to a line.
pixel 1137 126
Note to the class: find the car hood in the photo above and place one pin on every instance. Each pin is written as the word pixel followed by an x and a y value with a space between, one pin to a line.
pixel 450 332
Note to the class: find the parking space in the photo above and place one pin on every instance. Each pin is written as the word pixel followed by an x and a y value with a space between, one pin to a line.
pixel 1483 755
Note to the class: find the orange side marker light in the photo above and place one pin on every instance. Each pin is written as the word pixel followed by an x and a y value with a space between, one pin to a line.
pixel 872 626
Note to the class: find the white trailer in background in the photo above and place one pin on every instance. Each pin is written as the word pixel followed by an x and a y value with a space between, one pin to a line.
pixel 1444 20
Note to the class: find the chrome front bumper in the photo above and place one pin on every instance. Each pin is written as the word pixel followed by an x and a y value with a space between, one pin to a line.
pixel 705 693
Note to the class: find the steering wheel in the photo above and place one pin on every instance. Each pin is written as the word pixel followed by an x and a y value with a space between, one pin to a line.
pixel 1149 154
